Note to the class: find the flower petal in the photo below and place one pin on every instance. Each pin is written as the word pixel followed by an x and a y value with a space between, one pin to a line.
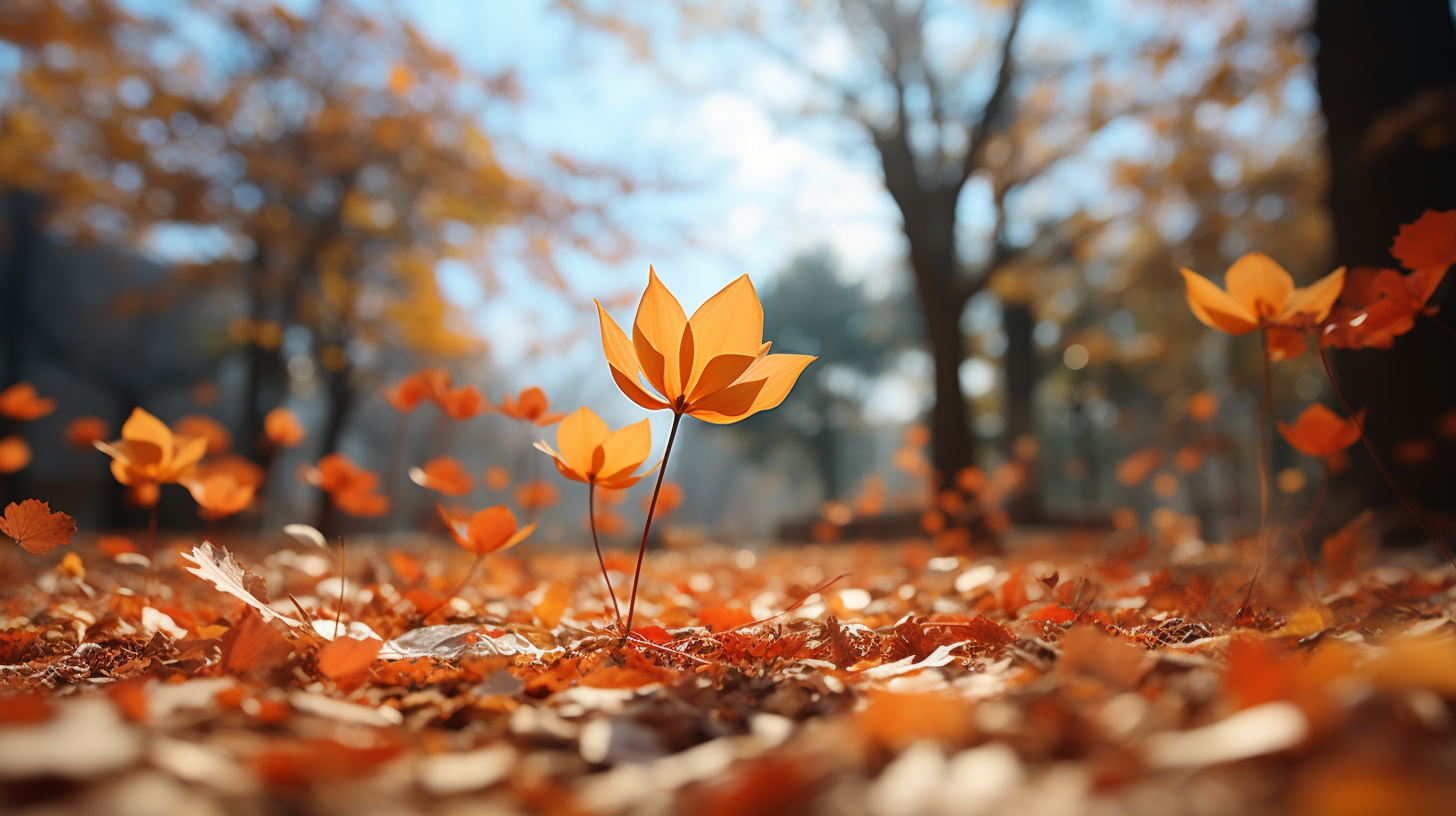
pixel 143 427
pixel 657 335
pixel 624 450
pixel 578 437
pixel 1313 302
pixel 728 405
pixel 490 529
pixel 1259 285
pixel 730 322
pixel 623 361
pixel 1214 307
pixel 720 372
pixel 781 372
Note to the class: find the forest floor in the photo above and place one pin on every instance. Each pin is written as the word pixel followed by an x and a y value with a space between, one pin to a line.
pixel 1080 674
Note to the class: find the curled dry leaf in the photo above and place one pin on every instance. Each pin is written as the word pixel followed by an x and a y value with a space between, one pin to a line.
pixel 306 534
pixel 35 528
pixel 217 566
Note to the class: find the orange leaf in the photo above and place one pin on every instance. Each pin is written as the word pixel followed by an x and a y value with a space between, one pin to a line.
pixel 553 605
pixel 1429 243
pixel 22 402
pixel 35 528
pixel 15 454
pixel 348 655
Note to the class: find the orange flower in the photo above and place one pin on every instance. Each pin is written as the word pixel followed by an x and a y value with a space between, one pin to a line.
pixel 218 437
pixel 240 468
pixel 21 401
pixel 406 394
pixel 497 477
pixel 219 494
pixel 350 487
pixel 283 429
pixel 361 504
pixel 490 530
pixel 149 453
pixel 714 366
pixel 464 402
pixel 443 474
pixel 591 454
pixel 670 499
pixel 84 432
pixel 1261 295
pixel 530 406
pixel 609 522
pixel 15 454
pixel 536 495
pixel 35 528
pixel 1379 305
pixel 1321 432
pixel 436 383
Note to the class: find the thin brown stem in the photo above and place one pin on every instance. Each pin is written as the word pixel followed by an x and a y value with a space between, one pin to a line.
pixel 470 573
pixel 591 515
pixel 647 526
pixel 1262 453
pixel 9 550
pixel 1380 463
pixel 1308 523
pixel 151 548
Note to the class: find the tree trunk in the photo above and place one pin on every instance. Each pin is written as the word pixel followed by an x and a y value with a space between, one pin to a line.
pixel 22 239
pixel 1021 377
pixel 1387 77
pixel 951 448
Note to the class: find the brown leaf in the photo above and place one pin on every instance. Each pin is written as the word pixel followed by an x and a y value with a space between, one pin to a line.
pixel 217 566
pixel 35 528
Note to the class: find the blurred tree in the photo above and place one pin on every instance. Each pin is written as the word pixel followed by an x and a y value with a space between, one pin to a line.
pixel 1027 141
pixel 811 310
pixel 323 164
pixel 1387 78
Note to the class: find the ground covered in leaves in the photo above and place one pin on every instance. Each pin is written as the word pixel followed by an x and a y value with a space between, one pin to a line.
pixel 1076 674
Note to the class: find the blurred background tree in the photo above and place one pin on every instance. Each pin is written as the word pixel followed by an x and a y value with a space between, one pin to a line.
pixel 319 167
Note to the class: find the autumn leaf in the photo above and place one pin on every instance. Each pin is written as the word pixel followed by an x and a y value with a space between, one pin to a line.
pixel 15 454
pixel 35 528
pixel 1428 243
pixel 83 432
pixel 217 566
pixel 348 655
pixel 199 426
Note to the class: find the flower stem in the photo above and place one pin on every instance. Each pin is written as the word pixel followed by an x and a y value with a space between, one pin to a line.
pixel 1379 463
pixel 470 573
pixel 647 526
pixel 396 450
pixel 591 515
pixel 1262 454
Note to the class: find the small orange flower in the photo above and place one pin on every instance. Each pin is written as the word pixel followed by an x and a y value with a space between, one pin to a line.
pixel 21 401
pixel 350 487
pixel 15 454
pixel 592 454
pixel 670 499
pixel 443 474
pixel 1321 432
pixel 243 470
pixel 219 438
pixel 437 384
pixel 490 530
pixel 361 504
pixel 497 477
pixel 464 402
pixel 1261 295
pixel 219 494
pixel 609 522
pixel 149 453
pixel 406 395
pixel 35 528
pixel 530 406
pixel 537 495
pixel 283 429
pixel 714 366
pixel 84 432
